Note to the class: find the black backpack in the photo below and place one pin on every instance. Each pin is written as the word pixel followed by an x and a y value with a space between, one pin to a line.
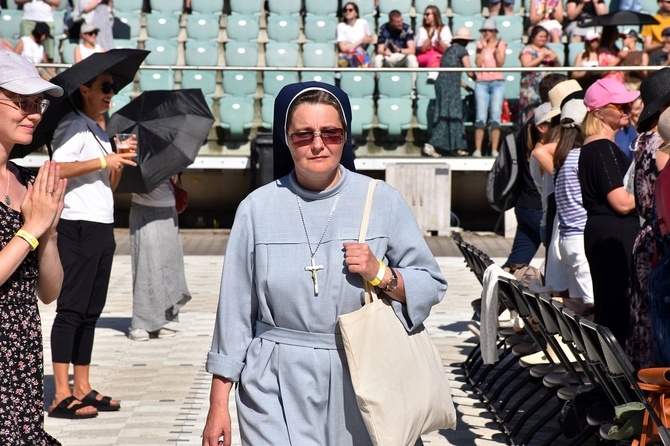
pixel 501 189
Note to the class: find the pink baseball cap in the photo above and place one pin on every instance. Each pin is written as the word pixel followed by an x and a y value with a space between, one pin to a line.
pixel 608 91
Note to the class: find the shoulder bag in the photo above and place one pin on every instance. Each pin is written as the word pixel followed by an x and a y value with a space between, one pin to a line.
pixel 400 384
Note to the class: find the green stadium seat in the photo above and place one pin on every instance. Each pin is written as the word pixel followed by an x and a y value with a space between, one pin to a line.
pixel 205 80
pixel 285 7
pixel 320 29
pixel 214 7
pixel 167 6
pixel 130 6
pixel 241 54
pixel 321 7
pixel 242 28
pixel 163 52
pixel 396 84
pixel 252 7
pixel 127 25
pixel 466 8
pixel 236 114
pixel 425 88
pixel 239 83
pixel 274 81
pixel 327 77
pixel 394 115
pixel 205 53
pixel 362 111
pixel 319 55
pixel 125 43
pixel 510 27
pixel 404 6
pixel 283 28
pixel 278 54
pixel 162 26
pixel 267 112
pixel 203 27
pixel 10 20
pixel 358 85
pixel 156 80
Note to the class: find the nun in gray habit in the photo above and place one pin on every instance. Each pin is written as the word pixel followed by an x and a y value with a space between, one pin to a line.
pixel 292 266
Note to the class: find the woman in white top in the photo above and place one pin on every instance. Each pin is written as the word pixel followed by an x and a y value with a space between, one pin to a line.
pixel 87 45
pixel 353 38
pixel 39 11
pixel 32 48
pixel 432 38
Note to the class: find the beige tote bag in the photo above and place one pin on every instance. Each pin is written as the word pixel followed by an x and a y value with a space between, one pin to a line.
pixel 401 388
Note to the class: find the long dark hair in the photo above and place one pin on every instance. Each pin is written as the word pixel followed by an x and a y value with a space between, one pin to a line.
pixel 569 138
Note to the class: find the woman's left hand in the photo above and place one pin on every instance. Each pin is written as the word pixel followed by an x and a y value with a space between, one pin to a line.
pixel 360 260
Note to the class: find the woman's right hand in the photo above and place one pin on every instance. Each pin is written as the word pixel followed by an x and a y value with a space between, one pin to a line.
pixel 43 202
pixel 116 161
pixel 218 425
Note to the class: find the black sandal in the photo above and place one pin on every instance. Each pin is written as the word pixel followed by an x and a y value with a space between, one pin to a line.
pixel 103 405
pixel 66 409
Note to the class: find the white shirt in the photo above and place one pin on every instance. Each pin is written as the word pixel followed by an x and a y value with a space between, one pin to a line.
pixel 422 36
pixel 161 197
pixel 351 34
pixel 85 51
pixel 88 197
pixel 32 50
pixel 37 11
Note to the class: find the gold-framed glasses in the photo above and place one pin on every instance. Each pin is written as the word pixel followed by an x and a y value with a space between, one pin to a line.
pixel 329 136
pixel 29 106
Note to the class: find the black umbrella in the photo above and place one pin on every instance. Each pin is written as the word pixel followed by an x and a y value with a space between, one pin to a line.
pixel 122 64
pixel 620 18
pixel 171 126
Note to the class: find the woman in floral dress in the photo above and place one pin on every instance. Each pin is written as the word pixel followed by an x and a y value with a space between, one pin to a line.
pixel 448 135
pixel 30 207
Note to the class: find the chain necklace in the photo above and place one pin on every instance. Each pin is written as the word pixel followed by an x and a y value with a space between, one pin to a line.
pixel 313 268
pixel 8 201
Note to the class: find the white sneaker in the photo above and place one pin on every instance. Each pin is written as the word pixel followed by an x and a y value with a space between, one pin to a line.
pixel 477 154
pixel 494 154
pixel 164 333
pixel 430 151
pixel 138 334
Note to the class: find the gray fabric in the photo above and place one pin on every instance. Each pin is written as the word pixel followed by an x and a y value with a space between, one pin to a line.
pixel 296 394
pixel 159 281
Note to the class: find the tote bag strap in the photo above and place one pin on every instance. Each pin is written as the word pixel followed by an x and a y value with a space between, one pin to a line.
pixel 369 295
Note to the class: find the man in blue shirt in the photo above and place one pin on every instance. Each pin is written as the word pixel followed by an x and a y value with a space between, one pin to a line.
pixel 395 44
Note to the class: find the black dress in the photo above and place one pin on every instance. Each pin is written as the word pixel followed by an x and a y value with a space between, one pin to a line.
pixel 21 361
pixel 608 235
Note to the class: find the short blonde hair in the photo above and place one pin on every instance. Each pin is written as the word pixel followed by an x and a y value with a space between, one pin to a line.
pixel 591 124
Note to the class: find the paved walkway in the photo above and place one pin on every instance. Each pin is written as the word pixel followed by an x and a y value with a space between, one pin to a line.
pixel 163 385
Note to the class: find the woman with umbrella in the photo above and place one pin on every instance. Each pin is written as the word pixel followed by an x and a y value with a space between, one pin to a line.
pixel 86 242
pixel 312 211
pixel 29 264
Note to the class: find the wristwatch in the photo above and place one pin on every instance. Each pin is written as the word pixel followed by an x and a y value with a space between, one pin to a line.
pixel 393 281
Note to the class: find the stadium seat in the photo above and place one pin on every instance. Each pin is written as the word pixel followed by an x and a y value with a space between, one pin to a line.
pixel 118 102
pixel 319 55
pixel 242 28
pixel 204 53
pixel 421 5
pixel 510 27
pixel 649 6
pixel 204 80
pixel 284 7
pixel 512 85
pixel 394 115
pixel 239 83
pixel 279 54
pixel 512 55
pixel 167 6
pixel 214 7
pixel 203 27
pixel 283 28
pixel 320 29
pixel 62 5
pixel 319 76
pixel 321 7
pixel 466 8
pixel 358 85
pixel 422 113
pixel 362 112
pixel 252 7
pixel 237 115
pixel 366 8
pixel 404 6
pixel 131 6
pixel 127 25
pixel 241 54
pixel 267 112
pixel 10 28
pixel 425 88
pixel 67 51
pixel 574 49
pixel 274 81
pixel 163 52
pixel 559 49
pixel 471 22
pixel 396 84
pixel 156 80
pixel 162 26
pixel 125 43
pixel 59 24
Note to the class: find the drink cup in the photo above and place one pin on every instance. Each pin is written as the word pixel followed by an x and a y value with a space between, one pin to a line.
pixel 124 139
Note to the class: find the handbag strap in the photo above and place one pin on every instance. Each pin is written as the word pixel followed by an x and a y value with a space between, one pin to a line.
pixel 369 295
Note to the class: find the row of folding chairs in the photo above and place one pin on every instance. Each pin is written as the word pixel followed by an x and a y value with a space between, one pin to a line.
pixel 560 359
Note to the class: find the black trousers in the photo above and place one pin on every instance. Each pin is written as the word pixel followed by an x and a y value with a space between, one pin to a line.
pixel 86 252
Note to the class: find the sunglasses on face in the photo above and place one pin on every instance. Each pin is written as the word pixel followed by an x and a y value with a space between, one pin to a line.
pixel 330 136
pixel 349 9
pixel 107 87
pixel 92 33
pixel 621 108
pixel 29 106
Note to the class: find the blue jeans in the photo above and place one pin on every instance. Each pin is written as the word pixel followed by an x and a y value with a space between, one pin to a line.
pixel 489 97
pixel 527 237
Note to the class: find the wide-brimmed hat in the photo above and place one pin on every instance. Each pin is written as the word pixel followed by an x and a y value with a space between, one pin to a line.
pixel 655 93
pixel 462 34
pixel 608 91
pixel 573 113
pixel 559 93
pixel 87 28
pixel 489 25
pixel 20 76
